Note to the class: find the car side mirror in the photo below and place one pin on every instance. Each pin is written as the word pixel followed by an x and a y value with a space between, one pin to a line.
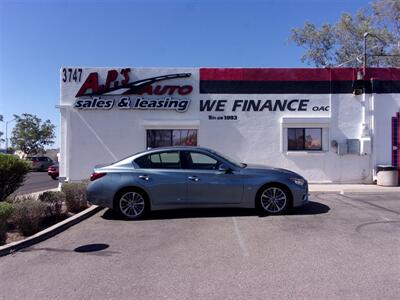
pixel 224 169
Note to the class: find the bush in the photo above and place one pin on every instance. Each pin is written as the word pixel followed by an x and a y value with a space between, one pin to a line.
pixel 6 210
pixel 28 213
pixel 53 202
pixel 12 174
pixel 75 196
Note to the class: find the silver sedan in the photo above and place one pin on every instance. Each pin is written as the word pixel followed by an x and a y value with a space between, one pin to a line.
pixel 181 177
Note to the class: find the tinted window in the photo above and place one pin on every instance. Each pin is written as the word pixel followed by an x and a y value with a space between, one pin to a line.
pixel 144 162
pixel 313 139
pixel 169 157
pixel 171 137
pixel 295 139
pixel 306 139
pixel 161 160
pixel 159 138
pixel 155 159
pixel 200 161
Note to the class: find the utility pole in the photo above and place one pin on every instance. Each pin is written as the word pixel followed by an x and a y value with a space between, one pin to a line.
pixel 365 52
pixel 7 133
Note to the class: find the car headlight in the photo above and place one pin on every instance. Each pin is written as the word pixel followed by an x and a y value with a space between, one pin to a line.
pixel 298 181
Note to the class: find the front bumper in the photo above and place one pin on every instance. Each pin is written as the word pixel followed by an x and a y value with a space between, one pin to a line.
pixel 300 195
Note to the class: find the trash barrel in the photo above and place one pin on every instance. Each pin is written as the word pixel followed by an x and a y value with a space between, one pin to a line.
pixel 387 175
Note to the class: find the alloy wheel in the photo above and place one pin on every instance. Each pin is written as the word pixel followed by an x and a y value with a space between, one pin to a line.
pixel 132 205
pixel 273 200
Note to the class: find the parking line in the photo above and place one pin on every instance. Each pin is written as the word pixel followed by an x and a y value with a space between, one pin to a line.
pixel 241 242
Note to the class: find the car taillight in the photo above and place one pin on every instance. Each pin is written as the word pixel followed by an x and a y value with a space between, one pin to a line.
pixel 95 176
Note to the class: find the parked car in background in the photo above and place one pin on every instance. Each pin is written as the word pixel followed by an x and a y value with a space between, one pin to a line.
pixel 176 177
pixel 53 171
pixel 40 163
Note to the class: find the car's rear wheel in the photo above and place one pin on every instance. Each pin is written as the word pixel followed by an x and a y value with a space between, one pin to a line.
pixel 274 200
pixel 131 204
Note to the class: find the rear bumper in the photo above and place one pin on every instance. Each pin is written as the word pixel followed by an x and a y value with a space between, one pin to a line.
pixel 99 194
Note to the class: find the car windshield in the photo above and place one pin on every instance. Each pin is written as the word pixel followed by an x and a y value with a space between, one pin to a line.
pixel 230 160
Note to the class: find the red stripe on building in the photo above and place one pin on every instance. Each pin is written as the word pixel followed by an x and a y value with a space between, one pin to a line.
pixel 398 146
pixel 297 74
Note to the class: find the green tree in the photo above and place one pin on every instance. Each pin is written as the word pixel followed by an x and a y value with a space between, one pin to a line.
pixel 342 43
pixel 12 174
pixel 31 135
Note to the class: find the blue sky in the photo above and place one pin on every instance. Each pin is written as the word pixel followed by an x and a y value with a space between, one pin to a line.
pixel 38 37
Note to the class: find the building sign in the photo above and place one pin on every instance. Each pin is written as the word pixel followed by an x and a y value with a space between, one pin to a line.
pixel 216 94
pixel 117 91
pixel 260 105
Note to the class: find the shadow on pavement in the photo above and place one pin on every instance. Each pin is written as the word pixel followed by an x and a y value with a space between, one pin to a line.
pixel 312 208
pixel 94 249
pixel 91 248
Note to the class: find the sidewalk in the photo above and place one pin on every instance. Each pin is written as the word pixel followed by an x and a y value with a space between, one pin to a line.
pixel 352 188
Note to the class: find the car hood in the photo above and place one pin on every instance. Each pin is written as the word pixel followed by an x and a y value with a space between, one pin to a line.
pixel 254 168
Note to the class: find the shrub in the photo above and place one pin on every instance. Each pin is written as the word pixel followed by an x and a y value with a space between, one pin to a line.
pixel 75 196
pixel 53 202
pixel 12 174
pixel 6 210
pixel 28 213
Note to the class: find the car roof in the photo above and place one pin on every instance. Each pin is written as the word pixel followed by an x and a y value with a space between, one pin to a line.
pixel 128 160
pixel 176 148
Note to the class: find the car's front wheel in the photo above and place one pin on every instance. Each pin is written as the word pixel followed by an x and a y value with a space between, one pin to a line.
pixel 131 204
pixel 274 200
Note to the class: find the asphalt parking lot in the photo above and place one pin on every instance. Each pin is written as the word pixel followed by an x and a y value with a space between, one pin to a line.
pixel 36 182
pixel 339 246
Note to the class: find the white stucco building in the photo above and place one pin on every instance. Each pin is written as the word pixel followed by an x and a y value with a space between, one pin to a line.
pixel 329 125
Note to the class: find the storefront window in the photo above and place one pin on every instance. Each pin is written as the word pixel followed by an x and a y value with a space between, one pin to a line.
pixel 171 137
pixel 304 139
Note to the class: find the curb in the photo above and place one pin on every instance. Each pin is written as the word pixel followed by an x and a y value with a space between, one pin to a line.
pixel 50 231
pixel 36 194
pixel 354 191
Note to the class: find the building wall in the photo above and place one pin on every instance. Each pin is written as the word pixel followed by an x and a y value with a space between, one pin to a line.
pixel 96 136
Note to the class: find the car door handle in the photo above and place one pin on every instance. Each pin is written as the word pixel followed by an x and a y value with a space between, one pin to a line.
pixel 144 177
pixel 193 178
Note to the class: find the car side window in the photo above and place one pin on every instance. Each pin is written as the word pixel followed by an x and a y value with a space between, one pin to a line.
pixel 144 162
pixel 160 160
pixel 170 160
pixel 155 158
pixel 200 161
